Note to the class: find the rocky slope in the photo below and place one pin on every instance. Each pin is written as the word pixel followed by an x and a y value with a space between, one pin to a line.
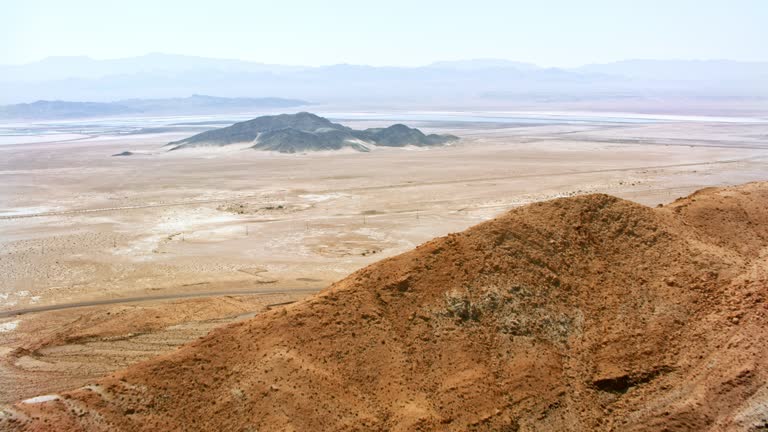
pixel 290 140
pixel 293 133
pixel 399 135
pixel 579 314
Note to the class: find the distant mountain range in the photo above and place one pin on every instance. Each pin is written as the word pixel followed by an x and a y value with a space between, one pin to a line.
pixel 304 132
pixel 195 104
pixel 682 70
pixel 480 64
pixel 437 84
pixel 72 67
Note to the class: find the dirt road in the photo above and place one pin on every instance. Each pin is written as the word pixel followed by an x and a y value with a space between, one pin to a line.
pixel 5 314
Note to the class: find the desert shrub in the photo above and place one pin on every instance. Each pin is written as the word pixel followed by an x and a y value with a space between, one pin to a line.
pixel 460 306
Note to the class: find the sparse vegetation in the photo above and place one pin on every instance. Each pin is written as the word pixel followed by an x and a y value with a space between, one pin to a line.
pixel 460 306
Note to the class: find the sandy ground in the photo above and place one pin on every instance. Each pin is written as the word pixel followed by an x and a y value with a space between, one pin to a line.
pixel 587 313
pixel 77 224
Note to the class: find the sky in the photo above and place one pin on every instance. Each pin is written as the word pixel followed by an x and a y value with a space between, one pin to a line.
pixel 554 33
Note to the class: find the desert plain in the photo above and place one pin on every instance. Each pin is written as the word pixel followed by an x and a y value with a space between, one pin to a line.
pixel 106 261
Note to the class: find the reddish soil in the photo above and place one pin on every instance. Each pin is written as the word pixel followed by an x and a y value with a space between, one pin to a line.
pixel 580 314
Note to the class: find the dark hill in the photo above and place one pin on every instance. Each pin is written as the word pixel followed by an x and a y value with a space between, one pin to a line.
pixel 399 135
pixel 291 140
pixel 291 133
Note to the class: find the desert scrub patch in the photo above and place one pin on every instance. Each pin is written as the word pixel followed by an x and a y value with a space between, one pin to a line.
pixel 517 309
pixel 459 305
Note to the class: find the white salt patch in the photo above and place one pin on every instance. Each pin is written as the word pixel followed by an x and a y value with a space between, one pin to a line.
pixel 207 151
pixel 34 299
pixel 41 399
pixel 322 197
pixel 9 326
pixel 24 211
pixel 22 293
pixel 180 225
pixel 4 300
pixel 359 142
pixel 372 233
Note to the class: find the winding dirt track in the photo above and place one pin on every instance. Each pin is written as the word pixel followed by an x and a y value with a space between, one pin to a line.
pixel 54 307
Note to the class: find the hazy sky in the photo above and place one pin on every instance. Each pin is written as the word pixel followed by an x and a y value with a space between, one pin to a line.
pixel 387 32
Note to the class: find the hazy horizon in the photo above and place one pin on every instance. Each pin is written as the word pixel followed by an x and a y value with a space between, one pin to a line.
pixel 549 34
pixel 480 82
pixel 432 63
pixel 429 53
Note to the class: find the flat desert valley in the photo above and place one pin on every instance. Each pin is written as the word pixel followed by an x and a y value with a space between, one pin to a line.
pixel 106 261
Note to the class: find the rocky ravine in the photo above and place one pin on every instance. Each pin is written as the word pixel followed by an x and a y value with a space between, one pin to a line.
pixel 579 314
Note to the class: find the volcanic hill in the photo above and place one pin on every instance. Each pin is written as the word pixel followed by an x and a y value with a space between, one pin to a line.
pixel 578 314
pixel 301 132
